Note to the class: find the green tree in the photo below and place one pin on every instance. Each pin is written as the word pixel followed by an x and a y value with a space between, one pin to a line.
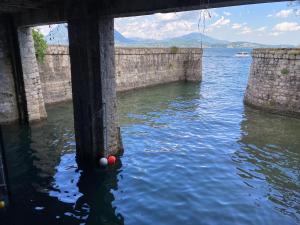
pixel 40 44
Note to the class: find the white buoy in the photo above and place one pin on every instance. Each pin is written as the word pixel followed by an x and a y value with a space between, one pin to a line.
pixel 103 162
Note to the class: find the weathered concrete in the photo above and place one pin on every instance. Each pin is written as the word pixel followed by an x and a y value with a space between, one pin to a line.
pixel 135 68
pixel 32 83
pixel 94 89
pixel 274 81
pixel 8 102
pixel 32 12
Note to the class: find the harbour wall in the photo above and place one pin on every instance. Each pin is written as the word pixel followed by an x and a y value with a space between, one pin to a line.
pixel 135 68
pixel 274 81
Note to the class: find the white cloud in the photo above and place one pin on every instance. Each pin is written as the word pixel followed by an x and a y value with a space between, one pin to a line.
pixel 246 30
pixel 286 26
pixel 154 28
pixel 45 29
pixel 220 22
pixel 275 33
pixel 284 13
pixel 165 16
pixel 261 29
pixel 227 14
pixel 236 26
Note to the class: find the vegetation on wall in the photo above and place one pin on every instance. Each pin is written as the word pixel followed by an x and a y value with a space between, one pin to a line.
pixel 40 45
pixel 174 49
pixel 284 71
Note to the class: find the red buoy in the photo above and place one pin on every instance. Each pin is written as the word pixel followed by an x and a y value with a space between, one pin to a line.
pixel 111 160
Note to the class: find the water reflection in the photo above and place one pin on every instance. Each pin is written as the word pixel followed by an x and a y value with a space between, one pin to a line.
pixel 269 158
pixel 146 105
pixel 46 186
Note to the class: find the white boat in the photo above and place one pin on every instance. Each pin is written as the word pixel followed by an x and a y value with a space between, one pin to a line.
pixel 242 54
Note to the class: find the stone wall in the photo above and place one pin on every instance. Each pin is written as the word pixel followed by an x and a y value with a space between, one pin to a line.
pixel 32 83
pixel 274 81
pixel 135 68
pixel 55 75
pixel 141 67
pixel 8 103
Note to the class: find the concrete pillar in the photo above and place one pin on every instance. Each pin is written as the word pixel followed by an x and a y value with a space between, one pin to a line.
pixel 91 44
pixel 32 83
pixel 8 102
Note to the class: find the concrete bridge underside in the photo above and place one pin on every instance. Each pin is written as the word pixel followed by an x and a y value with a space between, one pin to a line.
pixel 90 25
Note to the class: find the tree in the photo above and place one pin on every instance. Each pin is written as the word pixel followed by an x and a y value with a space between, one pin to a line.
pixel 40 44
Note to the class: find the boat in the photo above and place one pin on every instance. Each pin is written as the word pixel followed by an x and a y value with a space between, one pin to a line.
pixel 242 54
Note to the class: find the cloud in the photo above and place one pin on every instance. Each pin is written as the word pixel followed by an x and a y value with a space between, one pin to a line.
pixel 220 22
pixel 236 26
pixel 45 29
pixel 275 33
pixel 154 28
pixel 284 13
pixel 261 29
pixel 246 30
pixel 286 26
pixel 166 16
pixel 227 14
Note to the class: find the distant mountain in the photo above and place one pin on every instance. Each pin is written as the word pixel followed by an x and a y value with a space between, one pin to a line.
pixel 59 35
pixel 196 39
pixel 120 39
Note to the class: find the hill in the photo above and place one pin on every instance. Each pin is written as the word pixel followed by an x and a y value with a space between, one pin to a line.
pixel 59 35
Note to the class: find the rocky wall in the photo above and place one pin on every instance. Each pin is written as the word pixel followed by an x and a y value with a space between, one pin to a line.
pixel 135 68
pixel 274 81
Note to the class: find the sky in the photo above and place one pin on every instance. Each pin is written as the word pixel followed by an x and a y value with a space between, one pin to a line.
pixel 270 23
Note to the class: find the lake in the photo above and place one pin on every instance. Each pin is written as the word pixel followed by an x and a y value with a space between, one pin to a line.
pixel 194 154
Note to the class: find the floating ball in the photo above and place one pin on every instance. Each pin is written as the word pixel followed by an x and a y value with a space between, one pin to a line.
pixel 2 204
pixel 103 162
pixel 112 160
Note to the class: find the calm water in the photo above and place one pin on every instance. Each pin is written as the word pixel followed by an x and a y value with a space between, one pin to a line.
pixel 194 154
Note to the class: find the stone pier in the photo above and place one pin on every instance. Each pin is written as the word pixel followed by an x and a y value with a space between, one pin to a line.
pixel 135 68
pixel 8 101
pixel 32 83
pixel 274 81
pixel 94 88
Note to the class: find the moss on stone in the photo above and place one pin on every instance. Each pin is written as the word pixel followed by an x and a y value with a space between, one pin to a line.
pixel 294 52
pixel 284 71
pixel 174 49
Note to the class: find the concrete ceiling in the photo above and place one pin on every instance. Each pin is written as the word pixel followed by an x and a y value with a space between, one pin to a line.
pixel 36 12
pixel 11 6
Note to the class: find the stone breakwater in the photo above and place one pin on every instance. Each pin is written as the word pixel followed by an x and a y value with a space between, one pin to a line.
pixel 135 68
pixel 50 81
pixel 274 81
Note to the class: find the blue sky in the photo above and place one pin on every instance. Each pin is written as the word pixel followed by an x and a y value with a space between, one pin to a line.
pixel 271 23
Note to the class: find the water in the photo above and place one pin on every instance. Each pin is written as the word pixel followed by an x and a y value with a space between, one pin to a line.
pixel 194 154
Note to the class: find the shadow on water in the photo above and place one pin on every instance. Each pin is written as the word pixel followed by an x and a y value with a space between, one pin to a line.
pixel 46 186
pixel 269 158
pixel 142 106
